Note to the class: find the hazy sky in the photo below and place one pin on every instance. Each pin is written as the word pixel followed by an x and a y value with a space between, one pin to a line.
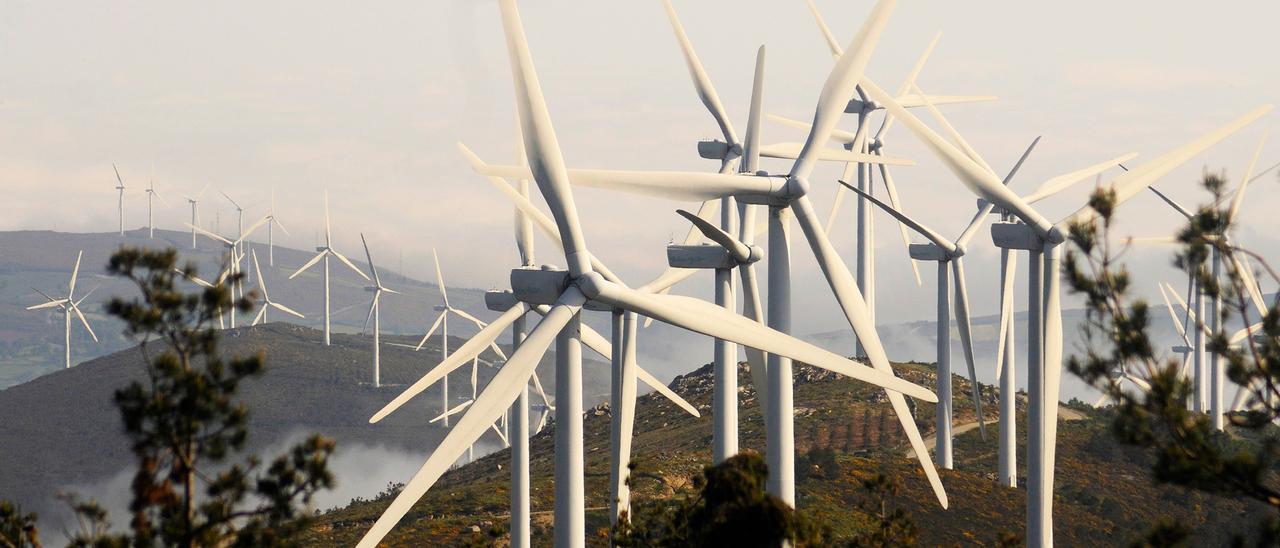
pixel 367 101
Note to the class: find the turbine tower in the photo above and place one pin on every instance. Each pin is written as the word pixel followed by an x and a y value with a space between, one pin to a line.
pixel 69 305
pixel 378 289
pixel 323 253
pixel 566 292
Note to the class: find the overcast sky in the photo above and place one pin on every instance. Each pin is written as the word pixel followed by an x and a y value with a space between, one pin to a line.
pixel 367 101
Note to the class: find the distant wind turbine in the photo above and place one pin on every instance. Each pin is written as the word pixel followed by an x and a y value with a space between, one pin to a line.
pixel 69 305
pixel 378 289
pixel 272 222
pixel 233 247
pixel 151 194
pixel 120 198
pixel 324 252
pixel 195 213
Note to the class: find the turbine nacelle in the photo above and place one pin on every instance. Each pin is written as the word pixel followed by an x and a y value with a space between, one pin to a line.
pixel 1016 236
pixel 715 149
pixel 539 285
pixel 500 301
pixel 856 106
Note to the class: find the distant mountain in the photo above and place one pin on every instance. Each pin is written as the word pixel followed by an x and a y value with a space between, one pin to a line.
pixel 62 432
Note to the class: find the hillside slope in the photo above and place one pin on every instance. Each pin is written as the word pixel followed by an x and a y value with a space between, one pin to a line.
pixel 1104 495
pixel 61 431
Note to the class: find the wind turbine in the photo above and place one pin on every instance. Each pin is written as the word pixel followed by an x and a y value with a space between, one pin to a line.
pixel 195 213
pixel 621 352
pixel 69 305
pixel 120 198
pixel 151 194
pixel 272 222
pixel 786 195
pixel 378 289
pixel 323 253
pixel 442 321
pixel 239 232
pixel 568 291
pixel 233 247
pixel 266 299
pixel 1043 239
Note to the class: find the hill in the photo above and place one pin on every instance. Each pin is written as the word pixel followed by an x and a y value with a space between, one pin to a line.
pixel 62 432
pixel 1104 495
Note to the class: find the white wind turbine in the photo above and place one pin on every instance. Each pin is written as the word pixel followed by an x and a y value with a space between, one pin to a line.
pixel 1043 239
pixel 442 321
pixel 568 292
pixel 266 299
pixel 195 213
pixel 377 289
pixel 239 234
pixel 120 196
pixel 272 222
pixel 323 253
pixel 622 353
pixel 785 195
pixel 233 249
pixel 69 305
pixel 152 194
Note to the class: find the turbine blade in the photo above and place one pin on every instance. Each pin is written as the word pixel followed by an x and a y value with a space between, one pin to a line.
pixel 373 305
pixel 308 264
pixel 431 330
pixel 937 239
pixel 701 82
pixel 840 85
pixel 444 293
pixel 837 136
pixel 832 44
pixel 377 281
pixel 1175 205
pixel 473 346
pixel 976 223
pixel 1130 183
pixel 892 190
pixel 496 398
pixel 791 151
pixel 1006 310
pixel 855 310
pixel 1065 181
pixel 493 345
pixel 751 145
pixel 83 321
pixel 349 264
pixel 52 303
pixel 951 131
pixel 286 309
pixel 261 315
pixel 209 234
pixel 966 337
pixel 739 251
pixel 456 409
pixel 542 148
pixel 909 82
pixel 713 321
pixel 1173 317
pixel 689 186
pixel 1238 198
pixel 233 202
pixel 252 228
pixel 916 100
pixel 262 282
pixel 976 178
pixel 75 273
pixel 526 207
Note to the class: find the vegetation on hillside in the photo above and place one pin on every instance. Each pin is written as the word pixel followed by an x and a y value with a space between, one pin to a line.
pixel 1239 462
